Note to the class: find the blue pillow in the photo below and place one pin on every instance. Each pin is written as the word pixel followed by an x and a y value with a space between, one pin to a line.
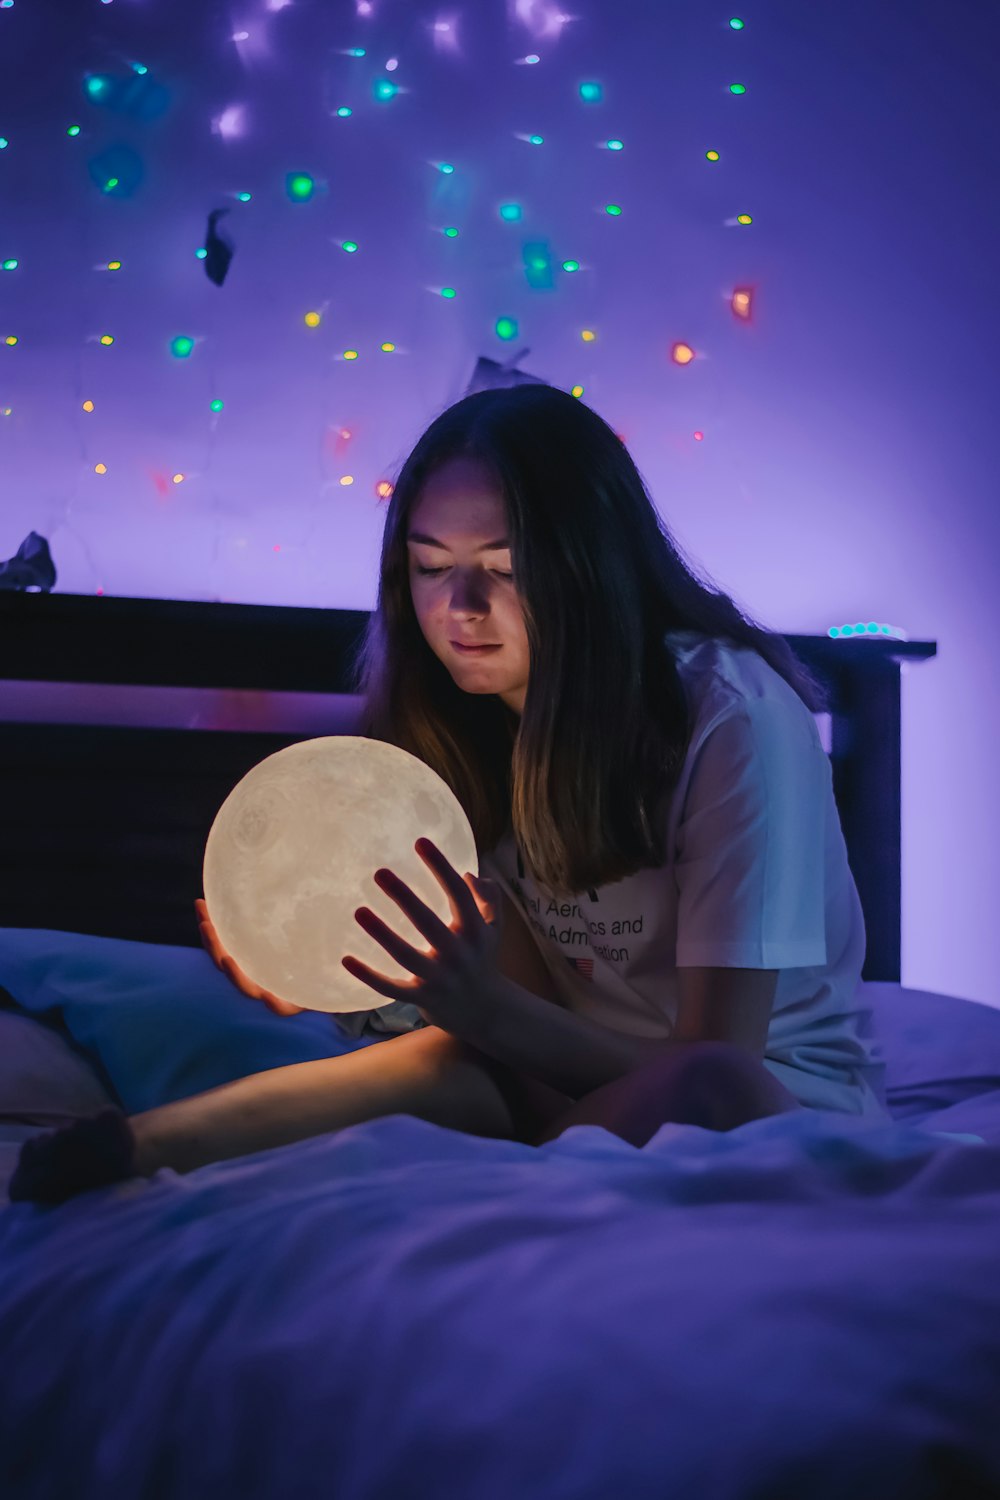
pixel 938 1049
pixel 157 1022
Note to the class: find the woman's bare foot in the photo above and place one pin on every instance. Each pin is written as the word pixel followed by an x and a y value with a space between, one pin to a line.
pixel 58 1164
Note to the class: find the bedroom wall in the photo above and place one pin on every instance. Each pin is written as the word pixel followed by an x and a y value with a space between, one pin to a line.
pixel 826 460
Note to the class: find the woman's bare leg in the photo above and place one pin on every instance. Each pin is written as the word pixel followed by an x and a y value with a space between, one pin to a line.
pixel 711 1084
pixel 427 1073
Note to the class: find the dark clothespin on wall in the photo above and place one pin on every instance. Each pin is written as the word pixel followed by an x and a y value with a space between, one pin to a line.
pixel 31 567
pixel 218 252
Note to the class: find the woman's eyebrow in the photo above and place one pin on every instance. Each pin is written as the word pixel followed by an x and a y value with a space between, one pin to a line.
pixel 429 541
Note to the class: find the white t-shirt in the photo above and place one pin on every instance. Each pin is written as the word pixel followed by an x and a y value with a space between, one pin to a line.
pixel 756 877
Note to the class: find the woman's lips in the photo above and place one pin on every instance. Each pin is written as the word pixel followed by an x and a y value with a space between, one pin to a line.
pixel 474 650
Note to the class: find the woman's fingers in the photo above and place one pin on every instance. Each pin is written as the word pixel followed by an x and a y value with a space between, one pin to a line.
pixel 279 1006
pixel 228 966
pixel 274 1002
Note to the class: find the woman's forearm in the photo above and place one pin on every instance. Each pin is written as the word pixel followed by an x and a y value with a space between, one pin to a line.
pixel 568 1052
pixel 426 1073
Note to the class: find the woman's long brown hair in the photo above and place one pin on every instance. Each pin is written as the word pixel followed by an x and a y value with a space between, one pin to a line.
pixel 600 580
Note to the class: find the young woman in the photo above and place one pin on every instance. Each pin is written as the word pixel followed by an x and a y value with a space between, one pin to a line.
pixel 670 930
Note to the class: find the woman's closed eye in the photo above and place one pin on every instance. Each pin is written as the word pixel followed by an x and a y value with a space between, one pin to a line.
pixel 430 572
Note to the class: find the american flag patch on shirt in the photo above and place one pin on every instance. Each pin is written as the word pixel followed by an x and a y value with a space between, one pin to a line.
pixel 584 966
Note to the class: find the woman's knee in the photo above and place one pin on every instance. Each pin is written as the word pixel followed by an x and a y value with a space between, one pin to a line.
pixel 729 1086
pixel 692 1065
pixel 711 1084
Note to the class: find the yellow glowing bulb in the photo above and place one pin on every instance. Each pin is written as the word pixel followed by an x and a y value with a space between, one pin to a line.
pixel 100 469
pixel 588 335
pixel 178 479
pixel 312 319
pixel 347 478
pixel 106 338
pixel 350 353
pixel 388 348
pixel 383 489
pixel 114 265
pixel 682 354
pixel 88 406
pixel 577 391
pixel 11 339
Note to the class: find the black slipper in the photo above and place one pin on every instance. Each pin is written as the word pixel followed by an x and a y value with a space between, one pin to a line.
pixel 58 1164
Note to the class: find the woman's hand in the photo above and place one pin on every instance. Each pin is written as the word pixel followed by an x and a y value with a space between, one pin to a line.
pixel 233 972
pixel 451 983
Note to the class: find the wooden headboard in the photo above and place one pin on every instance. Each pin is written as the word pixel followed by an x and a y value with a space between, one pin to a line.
pixel 125 723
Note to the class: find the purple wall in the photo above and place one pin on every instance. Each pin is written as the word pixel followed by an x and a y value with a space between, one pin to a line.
pixel 846 470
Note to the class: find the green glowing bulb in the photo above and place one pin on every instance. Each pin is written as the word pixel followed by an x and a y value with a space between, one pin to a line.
pixel 571 265
pixel 181 346
pixel 448 291
pixel 384 89
pixel 591 92
pixel 612 209
pixel 737 88
pixel 736 24
pixel 615 145
pixel 506 328
pixel 536 140
pixel 217 405
pixel 299 185
pixel 73 130
pixel 344 112
pixel 350 246
pixel 510 211
pixel 451 232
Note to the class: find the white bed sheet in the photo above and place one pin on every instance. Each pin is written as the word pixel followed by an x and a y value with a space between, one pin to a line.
pixel 806 1306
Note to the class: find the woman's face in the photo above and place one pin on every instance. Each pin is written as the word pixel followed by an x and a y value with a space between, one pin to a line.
pixel 461 584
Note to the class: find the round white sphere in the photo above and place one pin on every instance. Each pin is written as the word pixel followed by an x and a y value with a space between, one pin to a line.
pixel 292 854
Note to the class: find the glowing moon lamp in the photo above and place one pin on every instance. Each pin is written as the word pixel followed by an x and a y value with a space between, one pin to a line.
pixel 292 854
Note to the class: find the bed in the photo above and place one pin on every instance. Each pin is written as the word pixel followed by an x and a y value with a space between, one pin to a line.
pixel 808 1306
